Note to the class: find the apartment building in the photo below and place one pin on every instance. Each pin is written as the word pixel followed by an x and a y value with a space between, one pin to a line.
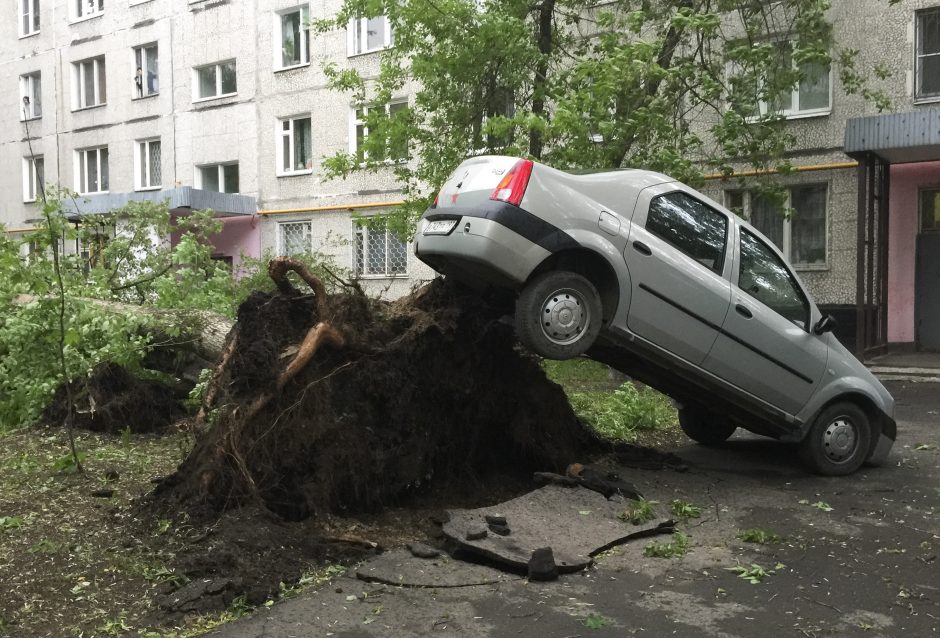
pixel 217 104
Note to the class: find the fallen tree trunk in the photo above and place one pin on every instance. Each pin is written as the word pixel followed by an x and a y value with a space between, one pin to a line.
pixel 201 332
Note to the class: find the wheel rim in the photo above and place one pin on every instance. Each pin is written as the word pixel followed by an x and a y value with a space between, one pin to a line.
pixel 840 439
pixel 564 316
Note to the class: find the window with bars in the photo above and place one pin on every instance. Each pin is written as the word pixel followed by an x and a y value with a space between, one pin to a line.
pixel 88 80
pixel 295 153
pixel 220 178
pixel 33 178
pixel 927 54
pixel 31 96
pixel 86 8
pixel 215 80
pixel 29 17
pixel 147 76
pixel 393 148
pixel 365 35
pixel 378 251
pixel 147 166
pixel 91 170
pixel 801 235
pixel 292 37
pixel 293 238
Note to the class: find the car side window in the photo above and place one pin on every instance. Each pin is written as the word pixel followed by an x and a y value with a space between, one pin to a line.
pixel 765 277
pixel 698 230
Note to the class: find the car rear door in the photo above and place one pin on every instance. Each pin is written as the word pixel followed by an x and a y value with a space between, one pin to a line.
pixel 677 254
pixel 766 345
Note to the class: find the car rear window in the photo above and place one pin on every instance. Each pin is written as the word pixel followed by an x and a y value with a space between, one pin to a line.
pixel 698 230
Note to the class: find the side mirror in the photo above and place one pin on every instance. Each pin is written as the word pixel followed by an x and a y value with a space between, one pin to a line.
pixel 824 325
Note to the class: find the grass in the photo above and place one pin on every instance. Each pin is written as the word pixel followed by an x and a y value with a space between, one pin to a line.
pixel 617 410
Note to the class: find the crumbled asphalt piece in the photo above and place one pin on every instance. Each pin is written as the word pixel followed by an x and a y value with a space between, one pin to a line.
pixel 440 518
pixel 542 565
pixel 495 519
pixel 502 530
pixel 106 493
pixel 476 533
pixel 423 551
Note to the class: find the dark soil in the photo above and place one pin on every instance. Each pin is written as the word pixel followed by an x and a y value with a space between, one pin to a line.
pixel 112 399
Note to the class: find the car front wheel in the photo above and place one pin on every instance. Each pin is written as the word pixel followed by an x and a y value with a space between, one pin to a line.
pixel 839 440
pixel 705 427
pixel 558 314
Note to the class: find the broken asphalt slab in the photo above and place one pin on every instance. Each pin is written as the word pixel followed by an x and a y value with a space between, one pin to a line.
pixel 401 568
pixel 866 567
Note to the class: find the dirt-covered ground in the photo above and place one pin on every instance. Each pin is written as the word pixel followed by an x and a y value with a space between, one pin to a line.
pixel 301 464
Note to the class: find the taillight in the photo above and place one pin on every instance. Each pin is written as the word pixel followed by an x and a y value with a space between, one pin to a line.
pixel 436 197
pixel 512 187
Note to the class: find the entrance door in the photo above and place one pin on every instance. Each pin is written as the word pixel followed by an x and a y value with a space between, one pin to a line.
pixel 927 291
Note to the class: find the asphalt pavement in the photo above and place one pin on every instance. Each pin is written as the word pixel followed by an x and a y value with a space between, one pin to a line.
pixel 858 557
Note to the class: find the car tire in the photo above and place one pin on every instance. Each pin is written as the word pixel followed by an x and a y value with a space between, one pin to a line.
pixel 839 441
pixel 705 427
pixel 558 314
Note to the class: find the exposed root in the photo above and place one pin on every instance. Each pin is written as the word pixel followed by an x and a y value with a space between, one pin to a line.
pixel 280 266
pixel 212 390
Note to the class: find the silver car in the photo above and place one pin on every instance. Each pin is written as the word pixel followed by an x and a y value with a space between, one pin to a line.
pixel 643 273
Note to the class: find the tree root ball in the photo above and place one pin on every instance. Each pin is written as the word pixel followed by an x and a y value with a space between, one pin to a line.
pixel 423 392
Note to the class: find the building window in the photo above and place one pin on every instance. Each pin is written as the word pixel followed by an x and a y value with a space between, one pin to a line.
pixel 927 54
pixel 365 35
pixel 31 96
pixel 801 235
pixel 395 148
pixel 91 170
pixel 378 251
pixel 147 168
pixel 34 178
pixel 147 77
pixel 294 146
pixel 215 80
pixel 88 78
pixel 930 210
pixel 812 95
pixel 29 17
pixel 220 178
pixel 86 8
pixel 293 238
pixel 292 38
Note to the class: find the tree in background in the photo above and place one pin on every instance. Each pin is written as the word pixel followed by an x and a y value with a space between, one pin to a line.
pixel 678 86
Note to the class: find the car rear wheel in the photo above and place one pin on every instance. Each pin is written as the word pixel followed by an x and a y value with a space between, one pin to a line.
pixel 705 427
pixel 839 440
pixel 558 314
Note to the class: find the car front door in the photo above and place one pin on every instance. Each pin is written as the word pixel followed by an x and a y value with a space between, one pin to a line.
pixel 677 254
pixel 766 345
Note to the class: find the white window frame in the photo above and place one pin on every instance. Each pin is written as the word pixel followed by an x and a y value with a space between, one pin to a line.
pixel 357 31
pixel 218 80
pixel 220 171
pixel 80 10
pixel 28 13
pixel 30 85
pixel 288 138
pixel 81 180
pixel 787 235
pixel 361 233
pixel 142 164
pixel 33 183
pixel 355 121
pixel 142 90
pixel 281 229
pixel 918 75
pixel 78 80
pixel 279 38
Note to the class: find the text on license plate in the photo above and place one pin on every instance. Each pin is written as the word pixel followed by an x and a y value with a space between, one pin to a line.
pixel 440 227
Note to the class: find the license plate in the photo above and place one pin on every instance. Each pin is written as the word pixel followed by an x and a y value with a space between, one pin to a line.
pixel 440 227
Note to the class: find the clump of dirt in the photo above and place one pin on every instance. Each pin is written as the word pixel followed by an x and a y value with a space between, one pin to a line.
pixel 112 399
pixel 423 394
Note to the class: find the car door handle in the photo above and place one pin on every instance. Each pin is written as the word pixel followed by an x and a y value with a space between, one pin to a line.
pixel 743 310
pixel 642 248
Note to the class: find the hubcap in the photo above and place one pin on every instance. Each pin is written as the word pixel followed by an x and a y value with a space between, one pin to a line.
pixel 840 440
pixel 564 316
